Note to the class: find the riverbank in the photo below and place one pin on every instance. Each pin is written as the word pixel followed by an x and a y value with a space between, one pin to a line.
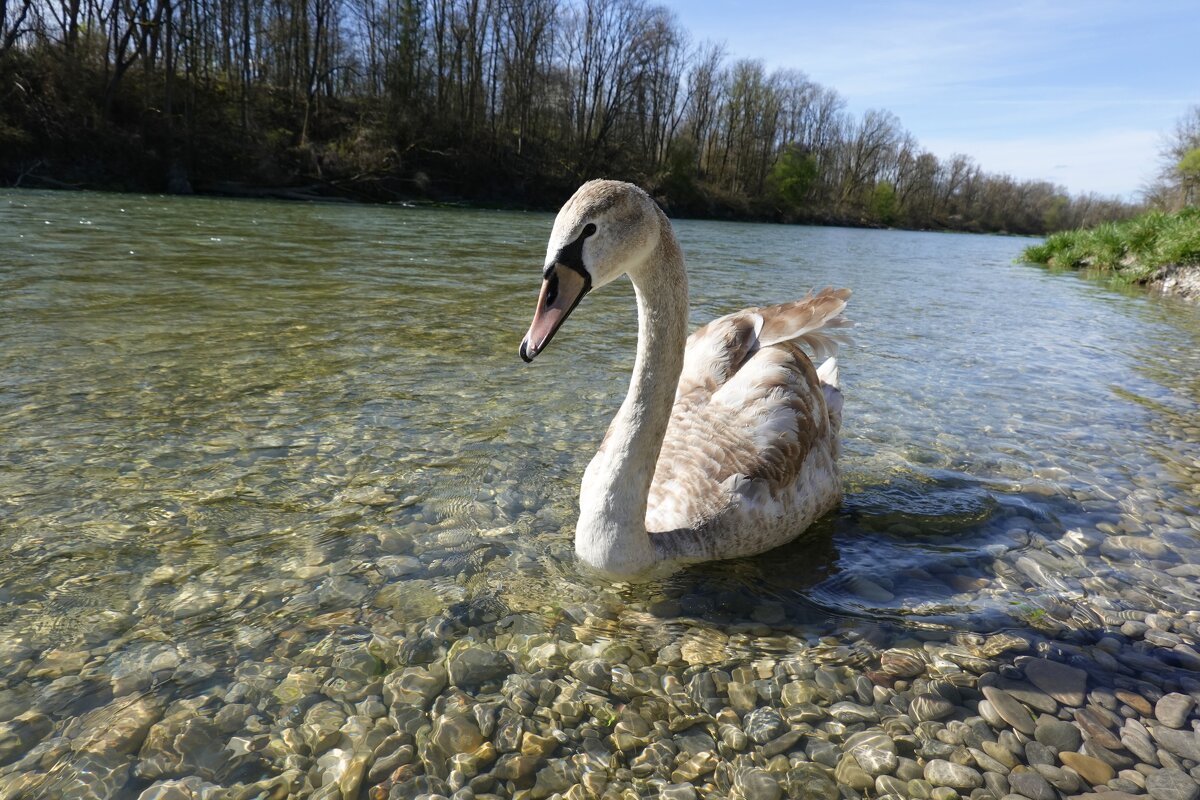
pixel 700 201
pixel 1158 250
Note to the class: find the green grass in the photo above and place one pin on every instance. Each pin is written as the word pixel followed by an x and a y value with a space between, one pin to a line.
pixel 1130 251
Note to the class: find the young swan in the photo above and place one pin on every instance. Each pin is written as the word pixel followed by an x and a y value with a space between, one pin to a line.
pixel 726 443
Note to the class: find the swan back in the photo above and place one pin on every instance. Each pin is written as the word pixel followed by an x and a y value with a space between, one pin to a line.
pixel 750 453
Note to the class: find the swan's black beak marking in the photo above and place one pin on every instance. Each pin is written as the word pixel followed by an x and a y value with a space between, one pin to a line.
pixel 564 283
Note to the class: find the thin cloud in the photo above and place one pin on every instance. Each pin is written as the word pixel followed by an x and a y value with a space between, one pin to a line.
pixel 1078 161
pixel 1028 83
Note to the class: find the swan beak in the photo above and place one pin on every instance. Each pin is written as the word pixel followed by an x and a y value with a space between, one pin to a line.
pixel 562 290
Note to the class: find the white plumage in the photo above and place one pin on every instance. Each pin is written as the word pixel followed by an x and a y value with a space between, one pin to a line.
pixel 726 444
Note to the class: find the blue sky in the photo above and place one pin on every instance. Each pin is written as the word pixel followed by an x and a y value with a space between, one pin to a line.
pixel 1079 93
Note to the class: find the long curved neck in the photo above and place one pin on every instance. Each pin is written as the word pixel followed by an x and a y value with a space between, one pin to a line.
pixel 611 533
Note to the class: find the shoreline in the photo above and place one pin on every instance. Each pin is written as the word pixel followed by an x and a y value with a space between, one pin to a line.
pixel 329 192
pixel 1176 280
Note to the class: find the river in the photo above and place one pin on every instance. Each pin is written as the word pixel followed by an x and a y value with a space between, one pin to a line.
pixel 277 494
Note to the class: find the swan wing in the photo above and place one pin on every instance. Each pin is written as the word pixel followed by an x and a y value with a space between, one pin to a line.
pixel 718 350
pixel 749 457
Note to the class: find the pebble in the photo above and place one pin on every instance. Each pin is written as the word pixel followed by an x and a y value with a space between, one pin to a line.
pixel 1180 743
pixel 1092 770
pixel 1135 701
pixel 874 752
pixel 1096 730
pixel 940 772
pixel 1057 734
pixel 930 706
pixel 756 783
pixel 1064 683
pixel 1173 709
pixel 764 724
pixel 1172 784
pixel 1009 709
pixel 1030 783
pixel 474 665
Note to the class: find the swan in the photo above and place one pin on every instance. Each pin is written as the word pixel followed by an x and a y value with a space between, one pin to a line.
pixel 726 444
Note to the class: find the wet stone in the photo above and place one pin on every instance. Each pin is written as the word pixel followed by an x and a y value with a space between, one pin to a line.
pixel 1114 759
pixel 782 744
pixel 119 728
pixel 875 752
pixel 1029 695
pixel 1173 709
pixel 181 745
pixel 1184 744
pixel 1058 735
pixel 757 783
pixel 901 663
pixel 1061 779
pixel 678 791
pixel 1135 701
pixel 1000 753
pixel 1009 709
pixel 988 713
pixel 987 763
pixel 798 693
pixel 889 785
pixel 515 767
pixel 413 686
pixel 1029 783
pixel 995 783
pixel 822 752
pixel 809 781
pixel 476 665
pixel 190 788
pixel 1038 753
pixel 1138 743
pixel 920 789
pixel 764 724
pixel 321 728
pixel 455 733
pixel 1064 683
pixel 743 698
pixel 850 773
pixel 940 772
pixel 930 706
pixel 1096 730
pixel 555 777
pixel 849 713
pixel 1092 770
pixel 1172 784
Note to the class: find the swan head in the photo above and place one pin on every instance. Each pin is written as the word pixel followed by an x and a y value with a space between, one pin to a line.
pixel 606 229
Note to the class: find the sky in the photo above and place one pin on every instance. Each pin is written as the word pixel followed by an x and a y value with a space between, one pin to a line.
pixel 1078 93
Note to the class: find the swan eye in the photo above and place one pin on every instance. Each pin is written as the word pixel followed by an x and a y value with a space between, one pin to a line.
pixel 588 230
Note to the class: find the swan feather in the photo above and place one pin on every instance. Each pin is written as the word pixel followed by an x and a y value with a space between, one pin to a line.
pixel 749 457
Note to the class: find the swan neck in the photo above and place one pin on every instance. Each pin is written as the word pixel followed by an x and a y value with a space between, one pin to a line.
pixel 612 529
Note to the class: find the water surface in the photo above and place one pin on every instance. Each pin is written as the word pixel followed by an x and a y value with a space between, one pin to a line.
pixel 237 429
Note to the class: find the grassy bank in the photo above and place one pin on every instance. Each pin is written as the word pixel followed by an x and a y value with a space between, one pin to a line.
pixel 1131 251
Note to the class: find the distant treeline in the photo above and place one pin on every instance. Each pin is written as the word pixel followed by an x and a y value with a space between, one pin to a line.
pixel 498 101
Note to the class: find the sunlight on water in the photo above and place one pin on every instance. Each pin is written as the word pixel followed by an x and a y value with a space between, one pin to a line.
pixel 240 433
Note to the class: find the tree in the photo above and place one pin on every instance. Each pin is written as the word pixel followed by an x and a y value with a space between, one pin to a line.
pixel 1188 170
pixel 1177 179
pixel 793 176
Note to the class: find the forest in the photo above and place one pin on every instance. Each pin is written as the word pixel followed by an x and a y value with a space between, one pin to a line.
pixel 498 102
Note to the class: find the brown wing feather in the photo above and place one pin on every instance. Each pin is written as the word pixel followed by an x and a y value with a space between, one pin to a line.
pixel 747 414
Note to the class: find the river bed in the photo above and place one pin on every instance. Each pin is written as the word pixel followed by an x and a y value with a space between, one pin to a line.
pixel 286 515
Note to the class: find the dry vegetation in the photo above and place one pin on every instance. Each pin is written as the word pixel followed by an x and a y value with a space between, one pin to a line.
pixel 507 102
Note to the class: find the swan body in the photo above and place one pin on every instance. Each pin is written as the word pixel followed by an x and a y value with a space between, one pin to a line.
pixel 726 444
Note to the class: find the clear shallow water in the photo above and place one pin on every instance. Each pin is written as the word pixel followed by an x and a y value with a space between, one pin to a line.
pixel 234 430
